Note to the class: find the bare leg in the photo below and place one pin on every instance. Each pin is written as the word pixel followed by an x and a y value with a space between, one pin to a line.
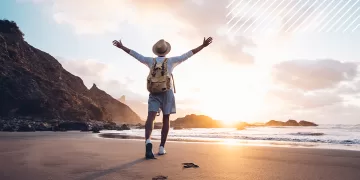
pixel 165 129
pixel 149 124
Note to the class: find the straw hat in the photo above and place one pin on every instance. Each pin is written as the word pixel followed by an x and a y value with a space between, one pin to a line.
pixel 161 48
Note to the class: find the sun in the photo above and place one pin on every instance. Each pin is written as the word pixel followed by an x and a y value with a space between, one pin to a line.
pixel 243 98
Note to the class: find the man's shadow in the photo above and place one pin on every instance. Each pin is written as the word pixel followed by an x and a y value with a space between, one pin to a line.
pixel 114 169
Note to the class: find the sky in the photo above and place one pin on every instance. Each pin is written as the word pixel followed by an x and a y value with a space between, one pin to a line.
pixel 270 59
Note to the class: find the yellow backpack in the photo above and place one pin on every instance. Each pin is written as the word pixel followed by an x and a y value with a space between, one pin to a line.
pixel 158 79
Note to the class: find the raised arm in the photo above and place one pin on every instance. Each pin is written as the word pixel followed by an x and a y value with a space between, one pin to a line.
pixel 205 43
pixel 179 59
pixel 145 60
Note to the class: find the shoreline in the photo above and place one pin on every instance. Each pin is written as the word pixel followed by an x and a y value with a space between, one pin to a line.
pixel 104 136
pixel 84 156
pixel 234 142
pixel 265 143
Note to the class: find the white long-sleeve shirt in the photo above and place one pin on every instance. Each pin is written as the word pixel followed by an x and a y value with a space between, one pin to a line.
pixel 171 63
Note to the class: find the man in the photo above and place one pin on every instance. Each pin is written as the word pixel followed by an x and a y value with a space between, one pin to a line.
pixel 164 98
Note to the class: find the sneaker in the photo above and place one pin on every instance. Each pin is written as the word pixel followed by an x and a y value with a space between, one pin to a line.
pixel 162 150
pixel 149 154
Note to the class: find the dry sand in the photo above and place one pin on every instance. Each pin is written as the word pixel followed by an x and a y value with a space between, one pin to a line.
pixel 77 155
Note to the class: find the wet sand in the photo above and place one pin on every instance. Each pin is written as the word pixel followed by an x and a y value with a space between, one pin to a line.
pixel 82 155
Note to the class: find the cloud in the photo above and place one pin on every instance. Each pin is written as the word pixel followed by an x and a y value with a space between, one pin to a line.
pixel 297 99
pixel 334 114
pixel 313 74
pixel 349 88
pixel 322 107
pixel 192 20
pixel 208 19
pixel 129 80
pixel 92 16
pixel 84 68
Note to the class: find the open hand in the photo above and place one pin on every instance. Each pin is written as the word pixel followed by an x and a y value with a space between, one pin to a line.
pixel 117 43
pixel 207 41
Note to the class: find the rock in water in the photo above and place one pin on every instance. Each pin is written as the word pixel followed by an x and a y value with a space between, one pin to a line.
pixel 196 121
pixel 109 126
pixel 274 123
pixel 158 125
pixel 96 130
pixel 291 122
pixel 125 127
pixel 307 123
pixel 242 125
pixel 178 127
pixel 34 84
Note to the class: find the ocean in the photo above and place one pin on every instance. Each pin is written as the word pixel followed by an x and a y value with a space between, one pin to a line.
pixel 346 137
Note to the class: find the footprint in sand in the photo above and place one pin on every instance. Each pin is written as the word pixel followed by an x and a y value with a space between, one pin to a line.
pixel 160 178
pixel 190 165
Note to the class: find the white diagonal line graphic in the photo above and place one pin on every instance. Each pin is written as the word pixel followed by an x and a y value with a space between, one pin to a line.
pixel 347 19
pixel 238 12
pixel 355 27
pixel 235 16
pixel 318 15
pixel 327 14
pixel 268 15
pixel 301 15
pixel 351 23
pixel 309 16
pixel 246 14
pixel 238 4
pixel 251 17
pixel 342 16
pixel 290 11
pixel 284 24
pixel 334 15
pixel 273 18
pixel 232 2
pixel 260 15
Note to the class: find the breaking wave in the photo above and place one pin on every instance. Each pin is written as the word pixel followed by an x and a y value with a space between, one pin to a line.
pixel 307 134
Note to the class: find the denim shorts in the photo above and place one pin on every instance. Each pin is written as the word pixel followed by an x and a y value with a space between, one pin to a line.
pixel 163 101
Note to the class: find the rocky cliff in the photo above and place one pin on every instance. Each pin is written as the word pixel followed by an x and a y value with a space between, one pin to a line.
pixel 34 84
pixel 118 110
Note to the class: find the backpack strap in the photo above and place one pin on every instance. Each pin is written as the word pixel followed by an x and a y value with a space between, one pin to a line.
pixel 173 82
pixel 154 66
pixel 154 62
pixel 163 66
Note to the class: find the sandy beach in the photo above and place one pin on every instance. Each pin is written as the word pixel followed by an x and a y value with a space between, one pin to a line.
pixel 80 155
